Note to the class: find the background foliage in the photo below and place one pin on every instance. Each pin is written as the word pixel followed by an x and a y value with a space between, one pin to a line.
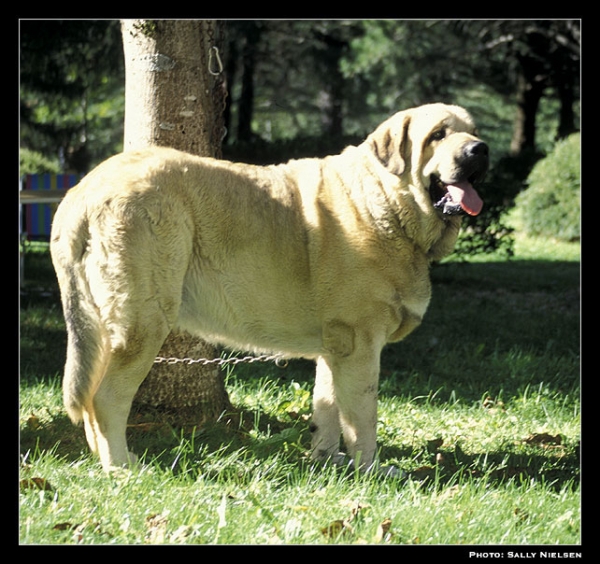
pixel 550 206
pixel 309 88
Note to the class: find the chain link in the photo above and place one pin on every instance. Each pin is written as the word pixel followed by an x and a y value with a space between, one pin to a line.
pixel 280 361
pixel 219 92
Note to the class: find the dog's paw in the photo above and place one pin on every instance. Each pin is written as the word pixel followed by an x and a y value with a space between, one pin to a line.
pixel 342 460
pixel 387 471
pixel 339 460
pixel 116 467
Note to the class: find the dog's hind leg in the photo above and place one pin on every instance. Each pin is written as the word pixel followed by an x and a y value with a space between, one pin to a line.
pixel 105 418
pixel 121 263
pixel 109 353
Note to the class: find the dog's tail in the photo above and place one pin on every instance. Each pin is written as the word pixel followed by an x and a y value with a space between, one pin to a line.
pixel 86 346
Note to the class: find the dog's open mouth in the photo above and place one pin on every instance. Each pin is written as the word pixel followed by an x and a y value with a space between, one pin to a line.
pixel 455 198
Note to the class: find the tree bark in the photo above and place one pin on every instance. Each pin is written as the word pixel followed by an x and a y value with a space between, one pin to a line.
pixel 332 98
pixel 565 86
pixel 174 96
pixel 530 89
pixel 172 99
pixel 246 103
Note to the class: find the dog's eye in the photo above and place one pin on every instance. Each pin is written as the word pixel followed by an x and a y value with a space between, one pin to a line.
pixel 437 135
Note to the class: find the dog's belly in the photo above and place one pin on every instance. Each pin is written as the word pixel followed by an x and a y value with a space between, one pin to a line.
pixel 251 314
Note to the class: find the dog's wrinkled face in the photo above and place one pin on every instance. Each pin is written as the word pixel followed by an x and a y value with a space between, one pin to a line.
pixel 437 145
pixel 458 160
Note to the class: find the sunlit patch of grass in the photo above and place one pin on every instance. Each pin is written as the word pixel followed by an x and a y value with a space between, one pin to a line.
pixel 479 408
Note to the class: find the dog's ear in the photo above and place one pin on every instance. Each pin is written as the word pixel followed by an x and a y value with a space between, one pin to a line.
pixel 391 144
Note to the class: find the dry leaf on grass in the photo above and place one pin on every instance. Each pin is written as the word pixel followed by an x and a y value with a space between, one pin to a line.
pixel 493 404
pixel 337 528
pixel 157 528
pixel 79 530
pixel 36 484
pixel 180 535
pixel 543 439
pixel 33 422
pixel 63 527
pixel 435 444
pixel 355 507
pixel 383 530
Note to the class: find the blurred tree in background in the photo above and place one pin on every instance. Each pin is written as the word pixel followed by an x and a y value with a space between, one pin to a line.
pixel 72 91
pixel 308 88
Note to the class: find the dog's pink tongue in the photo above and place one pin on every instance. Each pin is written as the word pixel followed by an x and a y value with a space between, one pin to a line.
pixel 464 194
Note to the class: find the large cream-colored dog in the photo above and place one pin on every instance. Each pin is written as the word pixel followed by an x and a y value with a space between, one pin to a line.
pixel 325 259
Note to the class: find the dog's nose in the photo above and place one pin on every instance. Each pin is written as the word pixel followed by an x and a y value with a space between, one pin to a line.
pixel 477 149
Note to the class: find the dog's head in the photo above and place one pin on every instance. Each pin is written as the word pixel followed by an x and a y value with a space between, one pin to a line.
pixel 437 147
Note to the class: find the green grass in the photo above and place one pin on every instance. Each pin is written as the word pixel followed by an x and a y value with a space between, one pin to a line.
pixel 480 408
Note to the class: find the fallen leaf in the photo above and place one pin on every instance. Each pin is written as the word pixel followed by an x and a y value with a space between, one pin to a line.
pixel 493 404
pixel 423 473
pixel 157 528
pixel 520 514
pixel 355 507
pixel 63 527
pixel 36 484
pixel 488 402
pixel 33 422
pixel 337 528
pixel 181 534
pixel 78 530
pixel 543 439
pixel 447 493
pixel 435 444
pixel 383 530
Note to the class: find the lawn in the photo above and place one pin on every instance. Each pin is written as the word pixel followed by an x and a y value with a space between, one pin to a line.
pixel 479 408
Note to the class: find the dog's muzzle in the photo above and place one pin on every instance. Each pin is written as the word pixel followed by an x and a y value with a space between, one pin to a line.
pixel 457 195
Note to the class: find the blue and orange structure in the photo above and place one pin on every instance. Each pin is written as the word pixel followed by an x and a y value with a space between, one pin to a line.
pixel 39 197
pixel 37 217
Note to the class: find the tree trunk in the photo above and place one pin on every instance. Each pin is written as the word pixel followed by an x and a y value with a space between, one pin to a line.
pixel 246 103
pixel 174 96
pixel 531 84
pixel 332 98
pixel 565 86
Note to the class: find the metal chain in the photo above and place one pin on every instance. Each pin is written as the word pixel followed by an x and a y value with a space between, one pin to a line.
pixel 215 68
pixel 280 361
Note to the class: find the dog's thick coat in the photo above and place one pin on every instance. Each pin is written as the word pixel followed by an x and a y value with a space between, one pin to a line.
pixel 325 259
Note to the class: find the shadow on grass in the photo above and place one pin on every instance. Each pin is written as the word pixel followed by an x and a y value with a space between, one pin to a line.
pixel 555 466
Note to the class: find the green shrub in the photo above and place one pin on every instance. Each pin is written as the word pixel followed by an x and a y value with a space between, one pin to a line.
pixel 550 206
pixel 32 162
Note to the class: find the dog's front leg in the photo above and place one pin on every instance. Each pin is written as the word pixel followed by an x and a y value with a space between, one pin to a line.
pixel 345 397
pixel 355 383
pixel 325 426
